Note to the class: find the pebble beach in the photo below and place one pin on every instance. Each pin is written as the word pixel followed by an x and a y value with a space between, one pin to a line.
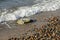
pixel 16 31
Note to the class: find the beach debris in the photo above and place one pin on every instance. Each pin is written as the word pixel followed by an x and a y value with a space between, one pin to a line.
pixel 20 22
pixel 23 21
pixel 26 20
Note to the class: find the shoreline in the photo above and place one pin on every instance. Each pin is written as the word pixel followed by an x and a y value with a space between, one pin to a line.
pixel 16 30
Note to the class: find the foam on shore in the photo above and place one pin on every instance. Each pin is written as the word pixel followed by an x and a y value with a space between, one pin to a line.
pixel 9 14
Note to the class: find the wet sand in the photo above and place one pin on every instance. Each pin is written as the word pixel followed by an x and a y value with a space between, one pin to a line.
pixel 16 30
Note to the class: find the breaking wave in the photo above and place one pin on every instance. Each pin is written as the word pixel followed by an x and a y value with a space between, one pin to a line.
pixel 14 9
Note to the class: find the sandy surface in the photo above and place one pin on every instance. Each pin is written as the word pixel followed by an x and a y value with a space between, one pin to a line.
pixel 16 30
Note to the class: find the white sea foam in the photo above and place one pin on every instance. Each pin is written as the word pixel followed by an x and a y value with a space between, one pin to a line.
pixel 41 5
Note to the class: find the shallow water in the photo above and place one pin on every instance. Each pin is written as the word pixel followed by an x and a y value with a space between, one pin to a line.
pixel 14 9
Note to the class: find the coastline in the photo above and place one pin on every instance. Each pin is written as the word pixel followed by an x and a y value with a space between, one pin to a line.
pixel 16 30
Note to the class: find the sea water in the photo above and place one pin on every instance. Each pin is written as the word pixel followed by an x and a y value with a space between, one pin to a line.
pixel 14 9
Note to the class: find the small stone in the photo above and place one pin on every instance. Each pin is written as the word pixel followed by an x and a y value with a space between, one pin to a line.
pixel 20 22
pixel 23 20
pixel 26 19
